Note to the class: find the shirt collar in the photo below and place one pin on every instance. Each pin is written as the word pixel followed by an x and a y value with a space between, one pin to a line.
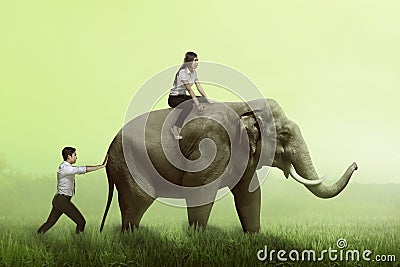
pixel 188 71
pixel 67 163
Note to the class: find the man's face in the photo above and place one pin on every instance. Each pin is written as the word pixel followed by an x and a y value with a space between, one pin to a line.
pixel 72 159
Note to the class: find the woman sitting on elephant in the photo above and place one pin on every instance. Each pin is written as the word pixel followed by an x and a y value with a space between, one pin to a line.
pixel 184 79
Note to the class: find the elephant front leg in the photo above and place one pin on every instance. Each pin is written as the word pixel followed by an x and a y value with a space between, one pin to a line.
pixel 198 216
pixel 248 205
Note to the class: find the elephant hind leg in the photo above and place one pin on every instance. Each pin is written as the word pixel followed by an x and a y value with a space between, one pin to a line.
pixel 125 220
pixel 122 206
pixel 134 212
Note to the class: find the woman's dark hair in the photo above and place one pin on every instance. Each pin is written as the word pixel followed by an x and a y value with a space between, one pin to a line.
pixel 67 151
pixel 189 57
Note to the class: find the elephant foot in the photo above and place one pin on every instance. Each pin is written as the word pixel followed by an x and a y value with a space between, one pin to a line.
pixel 196 227
pixel 198 216
pixel 129 228
pixel 252 230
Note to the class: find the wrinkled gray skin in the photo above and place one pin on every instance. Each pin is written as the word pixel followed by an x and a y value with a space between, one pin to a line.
pixel 291 150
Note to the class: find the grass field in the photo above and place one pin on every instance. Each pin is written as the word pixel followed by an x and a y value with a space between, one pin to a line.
pixel 366 216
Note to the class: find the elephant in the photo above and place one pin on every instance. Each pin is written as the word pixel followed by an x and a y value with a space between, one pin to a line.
pixel 242 138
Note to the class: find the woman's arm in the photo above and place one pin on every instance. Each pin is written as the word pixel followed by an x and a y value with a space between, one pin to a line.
pixel 200 108
pixel 200 89
pixel 189 89
pixel 202 92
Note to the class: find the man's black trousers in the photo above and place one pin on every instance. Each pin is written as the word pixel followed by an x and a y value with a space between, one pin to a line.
pixel 62 204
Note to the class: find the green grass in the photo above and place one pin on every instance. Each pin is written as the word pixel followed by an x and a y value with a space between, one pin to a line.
pixel 366 216
pixel 159 244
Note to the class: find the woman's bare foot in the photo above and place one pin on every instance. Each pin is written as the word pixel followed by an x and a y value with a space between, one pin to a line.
pixel 175 131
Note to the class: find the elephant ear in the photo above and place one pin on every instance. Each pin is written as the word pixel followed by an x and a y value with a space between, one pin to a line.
pixel 248 126
pixel 262 111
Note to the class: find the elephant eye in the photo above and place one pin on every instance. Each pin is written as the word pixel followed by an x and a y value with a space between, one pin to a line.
pixel 285 133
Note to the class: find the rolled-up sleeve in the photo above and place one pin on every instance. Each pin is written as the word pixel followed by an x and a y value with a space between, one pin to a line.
pixel 68 170
pixel 81 170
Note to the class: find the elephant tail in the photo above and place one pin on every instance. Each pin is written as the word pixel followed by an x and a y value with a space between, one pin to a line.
pixel 110 196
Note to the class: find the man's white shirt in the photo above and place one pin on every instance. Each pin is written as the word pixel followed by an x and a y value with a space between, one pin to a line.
pixel 66 178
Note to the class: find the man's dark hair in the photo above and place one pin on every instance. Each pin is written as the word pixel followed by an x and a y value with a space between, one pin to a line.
pixel 67 151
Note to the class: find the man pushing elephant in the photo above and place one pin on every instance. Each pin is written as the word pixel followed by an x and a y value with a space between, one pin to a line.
pixel 66 189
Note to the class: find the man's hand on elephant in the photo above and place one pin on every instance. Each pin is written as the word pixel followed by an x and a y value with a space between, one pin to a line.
pixel 105 160
pixel 95 168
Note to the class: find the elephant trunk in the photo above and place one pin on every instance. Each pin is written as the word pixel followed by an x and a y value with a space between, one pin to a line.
pixel 301 160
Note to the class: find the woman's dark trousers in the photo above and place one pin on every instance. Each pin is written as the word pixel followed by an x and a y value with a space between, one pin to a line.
pixel 184 102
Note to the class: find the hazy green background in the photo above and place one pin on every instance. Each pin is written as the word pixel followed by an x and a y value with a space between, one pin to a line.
pixel 70 68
